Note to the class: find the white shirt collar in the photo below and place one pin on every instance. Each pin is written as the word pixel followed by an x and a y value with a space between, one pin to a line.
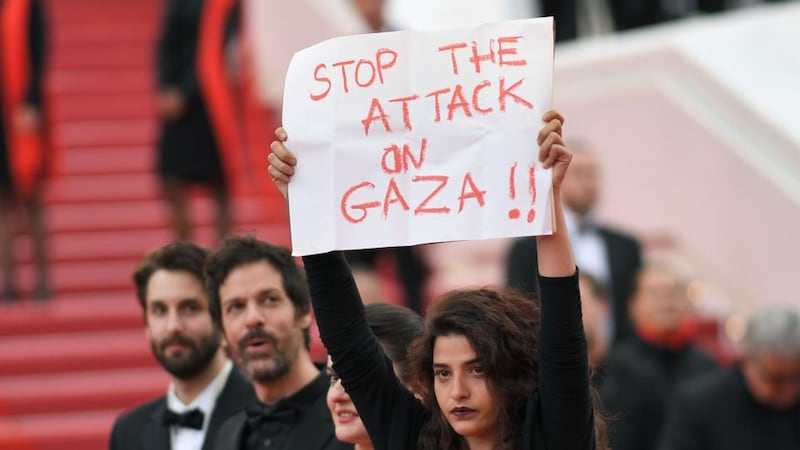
pixel 571 220
pixel 206 400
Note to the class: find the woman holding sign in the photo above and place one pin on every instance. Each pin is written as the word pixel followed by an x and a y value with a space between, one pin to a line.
pixel 494 371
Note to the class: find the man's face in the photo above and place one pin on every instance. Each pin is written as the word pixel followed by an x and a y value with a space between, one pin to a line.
pixel 773 379
pixel 369 9
pixel 579 189
pixel 661 300
pixel 264 333
pixel 179 327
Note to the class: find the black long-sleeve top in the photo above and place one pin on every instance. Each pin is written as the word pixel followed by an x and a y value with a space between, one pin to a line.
pixel 558 414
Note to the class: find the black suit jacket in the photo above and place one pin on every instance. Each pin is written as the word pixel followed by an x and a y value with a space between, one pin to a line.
pixel 717 412
pixel 624 260
pixel 142 428
pixel 315 431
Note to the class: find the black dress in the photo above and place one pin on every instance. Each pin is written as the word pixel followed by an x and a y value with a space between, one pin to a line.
pixel 188 147
pixel 558 415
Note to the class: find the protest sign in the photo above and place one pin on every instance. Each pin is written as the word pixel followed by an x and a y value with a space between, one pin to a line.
pixel 419 136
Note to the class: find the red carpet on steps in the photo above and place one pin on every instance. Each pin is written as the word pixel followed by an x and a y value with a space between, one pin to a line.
pixel 69 366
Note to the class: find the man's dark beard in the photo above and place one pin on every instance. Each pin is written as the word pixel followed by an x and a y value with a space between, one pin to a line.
pixel 187 366
pixel 282 361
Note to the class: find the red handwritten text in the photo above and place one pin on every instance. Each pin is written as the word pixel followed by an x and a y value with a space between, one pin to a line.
pixel 361 198
pixel 363 72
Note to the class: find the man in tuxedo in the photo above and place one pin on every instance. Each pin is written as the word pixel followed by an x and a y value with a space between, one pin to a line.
pixel 261 301
pixel 611 256
pixel 755 404
pixel 206 389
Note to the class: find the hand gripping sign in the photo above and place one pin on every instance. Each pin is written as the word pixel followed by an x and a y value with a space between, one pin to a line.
pixel 419 136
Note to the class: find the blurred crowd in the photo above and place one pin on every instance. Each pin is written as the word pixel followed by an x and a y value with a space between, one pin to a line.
pixel 662 384
pixel 584 18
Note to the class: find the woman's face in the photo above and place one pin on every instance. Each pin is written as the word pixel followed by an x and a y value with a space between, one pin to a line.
pixel 462 390
pixel 349 427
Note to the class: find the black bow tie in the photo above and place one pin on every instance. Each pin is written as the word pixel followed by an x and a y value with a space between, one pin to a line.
pixel 282 414
pixel 189 419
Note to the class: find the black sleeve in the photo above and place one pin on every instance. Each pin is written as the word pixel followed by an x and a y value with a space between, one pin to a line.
pixel 567 419
pixel 37 39
pixel 173 70
pixel 389 411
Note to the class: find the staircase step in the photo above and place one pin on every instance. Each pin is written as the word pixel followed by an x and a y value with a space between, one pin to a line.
pixel 105 133
pixel 129 244
pixel 73 431
pixel 96 311
pixel 146 214
pixel 91 31
pixel 103 188
pixel 93 271
pixel 104 106
pixel 103 55
pixel 91 11
pixel 102 80
pixel 80 391
pixel 74 352
pixel 107 160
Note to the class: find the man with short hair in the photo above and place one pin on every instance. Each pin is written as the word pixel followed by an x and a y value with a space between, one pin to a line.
pixel 665 328
pixel 610 255
pixel 206 389
pixel 754 405
pixel 260 300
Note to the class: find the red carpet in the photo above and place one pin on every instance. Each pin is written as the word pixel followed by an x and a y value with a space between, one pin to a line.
pixel 68 367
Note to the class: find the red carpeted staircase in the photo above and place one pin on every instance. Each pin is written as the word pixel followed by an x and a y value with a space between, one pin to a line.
pixel 69 366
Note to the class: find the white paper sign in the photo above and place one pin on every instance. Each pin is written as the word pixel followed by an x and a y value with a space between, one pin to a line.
pixel 419 136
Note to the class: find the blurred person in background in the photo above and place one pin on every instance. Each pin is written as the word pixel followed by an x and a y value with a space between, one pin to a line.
pixel 206 389
pixel 662 317
pixel 199 135
pixel 585 18
pixel 408 262
pixel 630 393
pixel 396 328
pixel 610 255
pixel 24 155
pixel 754 405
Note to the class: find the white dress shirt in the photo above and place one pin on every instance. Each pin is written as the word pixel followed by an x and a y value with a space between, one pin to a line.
pixel 187 438
pixel 589 248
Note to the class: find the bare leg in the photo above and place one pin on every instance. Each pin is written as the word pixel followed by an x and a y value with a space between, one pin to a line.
pixel 38 231
pixel 175 193
pixel 6 245
pixel 220 194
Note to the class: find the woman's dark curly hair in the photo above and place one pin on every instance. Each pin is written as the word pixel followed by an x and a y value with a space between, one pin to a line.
pixel 502 329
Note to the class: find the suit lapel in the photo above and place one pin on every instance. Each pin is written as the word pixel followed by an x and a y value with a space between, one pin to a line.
pixel 315 429
pixel 235 396
pixel 155 435
pixel 229 436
